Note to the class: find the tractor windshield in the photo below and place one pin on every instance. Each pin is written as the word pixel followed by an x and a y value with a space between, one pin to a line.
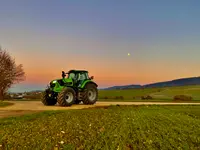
pixel 78 76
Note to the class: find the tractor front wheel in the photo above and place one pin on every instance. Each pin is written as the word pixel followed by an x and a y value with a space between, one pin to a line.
pixel 90 95
pixel 47 98
pixel 66 97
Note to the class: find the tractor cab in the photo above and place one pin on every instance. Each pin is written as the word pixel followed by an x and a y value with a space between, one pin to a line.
pixel 78 76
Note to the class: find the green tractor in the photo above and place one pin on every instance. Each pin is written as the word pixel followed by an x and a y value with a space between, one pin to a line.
pixel 77 87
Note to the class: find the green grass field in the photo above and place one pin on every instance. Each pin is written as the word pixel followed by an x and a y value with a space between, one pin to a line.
pixel 158 94
pixel 115 127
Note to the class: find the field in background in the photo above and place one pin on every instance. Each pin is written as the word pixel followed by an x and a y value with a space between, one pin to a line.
pixel 115 127
pixel 157 94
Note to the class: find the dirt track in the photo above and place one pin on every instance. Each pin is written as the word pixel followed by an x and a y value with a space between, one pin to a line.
pixel 37 105
pixel 28 107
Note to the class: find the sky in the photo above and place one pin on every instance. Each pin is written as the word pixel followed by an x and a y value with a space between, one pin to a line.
pixel 49 36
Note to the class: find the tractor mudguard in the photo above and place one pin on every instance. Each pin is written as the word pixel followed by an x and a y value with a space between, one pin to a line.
pixel 86 82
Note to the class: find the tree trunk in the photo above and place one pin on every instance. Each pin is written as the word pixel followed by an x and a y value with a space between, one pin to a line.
pixel 1 95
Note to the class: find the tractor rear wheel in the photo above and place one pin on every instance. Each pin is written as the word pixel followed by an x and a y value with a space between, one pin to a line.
pixel 47 98
pixel 90 95
pixel 66 97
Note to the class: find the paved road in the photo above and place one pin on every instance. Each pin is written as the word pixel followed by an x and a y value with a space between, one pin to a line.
pixel 37 105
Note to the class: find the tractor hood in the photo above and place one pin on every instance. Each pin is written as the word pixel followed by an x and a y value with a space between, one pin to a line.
pixel 64 80
pixel 61 82
pixel 58 84
pixel 55 80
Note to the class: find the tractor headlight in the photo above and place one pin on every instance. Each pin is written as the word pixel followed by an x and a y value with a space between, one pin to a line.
pixel 54 81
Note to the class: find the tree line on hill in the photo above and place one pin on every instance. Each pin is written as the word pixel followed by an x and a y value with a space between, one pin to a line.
pixel 176 82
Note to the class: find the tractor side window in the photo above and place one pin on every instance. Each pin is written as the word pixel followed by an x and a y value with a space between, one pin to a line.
pixel 82 77
pixel 71 75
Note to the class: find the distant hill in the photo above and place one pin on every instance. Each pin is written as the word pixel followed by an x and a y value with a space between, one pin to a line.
pixel 123 87
pixel 176 82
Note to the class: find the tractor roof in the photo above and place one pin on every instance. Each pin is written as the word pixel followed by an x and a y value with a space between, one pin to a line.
pixel 77 71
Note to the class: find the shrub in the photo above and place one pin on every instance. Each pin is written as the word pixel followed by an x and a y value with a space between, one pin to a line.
pixel 146 97
pixel 149 97
pixel 32 96
pixel 117 97
pixel 7 97
pixel 121 97
pixel 182 98
pixel 105 97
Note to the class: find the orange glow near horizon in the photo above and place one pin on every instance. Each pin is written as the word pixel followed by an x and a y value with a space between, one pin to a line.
pixel 107 61
pixel 103 78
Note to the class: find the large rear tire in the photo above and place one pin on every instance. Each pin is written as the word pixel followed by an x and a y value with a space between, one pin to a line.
pixel 66 97
pixel 90 95
pixel 48 100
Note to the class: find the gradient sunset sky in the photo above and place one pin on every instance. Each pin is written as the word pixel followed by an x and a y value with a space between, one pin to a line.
pixel 48 36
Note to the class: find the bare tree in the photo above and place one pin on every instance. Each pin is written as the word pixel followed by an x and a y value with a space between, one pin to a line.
pixel 10 73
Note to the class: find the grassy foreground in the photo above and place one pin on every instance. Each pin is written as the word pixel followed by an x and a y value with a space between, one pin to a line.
pixel 117 127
